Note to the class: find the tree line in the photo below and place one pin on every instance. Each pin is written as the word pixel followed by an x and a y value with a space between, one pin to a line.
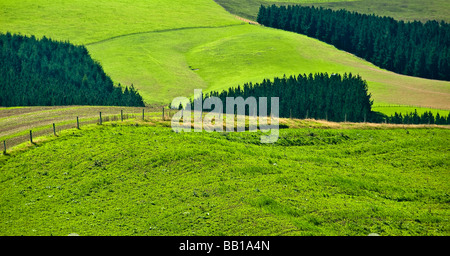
pixel 332 97
pixel 410 48
pixel 414 118
pixel 45 72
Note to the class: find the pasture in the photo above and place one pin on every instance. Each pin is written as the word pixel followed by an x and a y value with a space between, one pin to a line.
pixel 167 49
pixel 138 178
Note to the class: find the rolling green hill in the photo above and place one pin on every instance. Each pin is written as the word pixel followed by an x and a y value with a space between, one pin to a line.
pixel 168 49
pixel 140 179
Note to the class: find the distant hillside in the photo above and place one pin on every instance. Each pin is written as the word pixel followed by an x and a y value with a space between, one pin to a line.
pixel 167 49
pixel 146 180
pixel 399 9
pixel 49 73
pixel 410 48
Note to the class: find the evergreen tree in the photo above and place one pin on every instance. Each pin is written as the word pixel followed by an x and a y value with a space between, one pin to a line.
pixel 321 96
pixel 411 48
pixel 46 72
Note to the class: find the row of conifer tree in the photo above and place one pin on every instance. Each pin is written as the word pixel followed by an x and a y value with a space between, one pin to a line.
pixel 332 97
pixel 414 118
pixel 410 48
pixel 44 72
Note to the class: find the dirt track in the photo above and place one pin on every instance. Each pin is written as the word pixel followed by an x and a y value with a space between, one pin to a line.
pixel 248 21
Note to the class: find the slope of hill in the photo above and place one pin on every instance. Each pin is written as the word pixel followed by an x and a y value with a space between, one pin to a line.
pixel 85 21
pixel 168 49
pixel 219 58
pixel 402 10
pixel 410 48
pixel 148 180
pixel 140 178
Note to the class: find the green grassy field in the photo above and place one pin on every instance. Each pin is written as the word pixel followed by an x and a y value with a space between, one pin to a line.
pixel 123 179
pixel 219 58
pixel 399 9
pixel 84 21
pixel 140 178
pixel 168 49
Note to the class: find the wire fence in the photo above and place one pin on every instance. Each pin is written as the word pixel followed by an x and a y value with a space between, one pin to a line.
pixel 55 128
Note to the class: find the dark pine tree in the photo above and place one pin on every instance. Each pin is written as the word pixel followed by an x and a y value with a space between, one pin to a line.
pixel 46 72
pixel 411 48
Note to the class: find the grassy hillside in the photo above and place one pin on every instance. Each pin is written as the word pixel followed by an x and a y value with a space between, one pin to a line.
pixel 127 180
pixel 168 49
pixel 84 21
pixel 399 9
pixel 138 177
pixel 218 58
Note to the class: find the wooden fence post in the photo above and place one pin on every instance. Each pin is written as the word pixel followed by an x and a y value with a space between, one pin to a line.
pixel 163 118
pixel 31 136
pixel 54 129
pixel 143 116
pixel 78 123
pixel 100 118
pixel 4 147
pixel 121 115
